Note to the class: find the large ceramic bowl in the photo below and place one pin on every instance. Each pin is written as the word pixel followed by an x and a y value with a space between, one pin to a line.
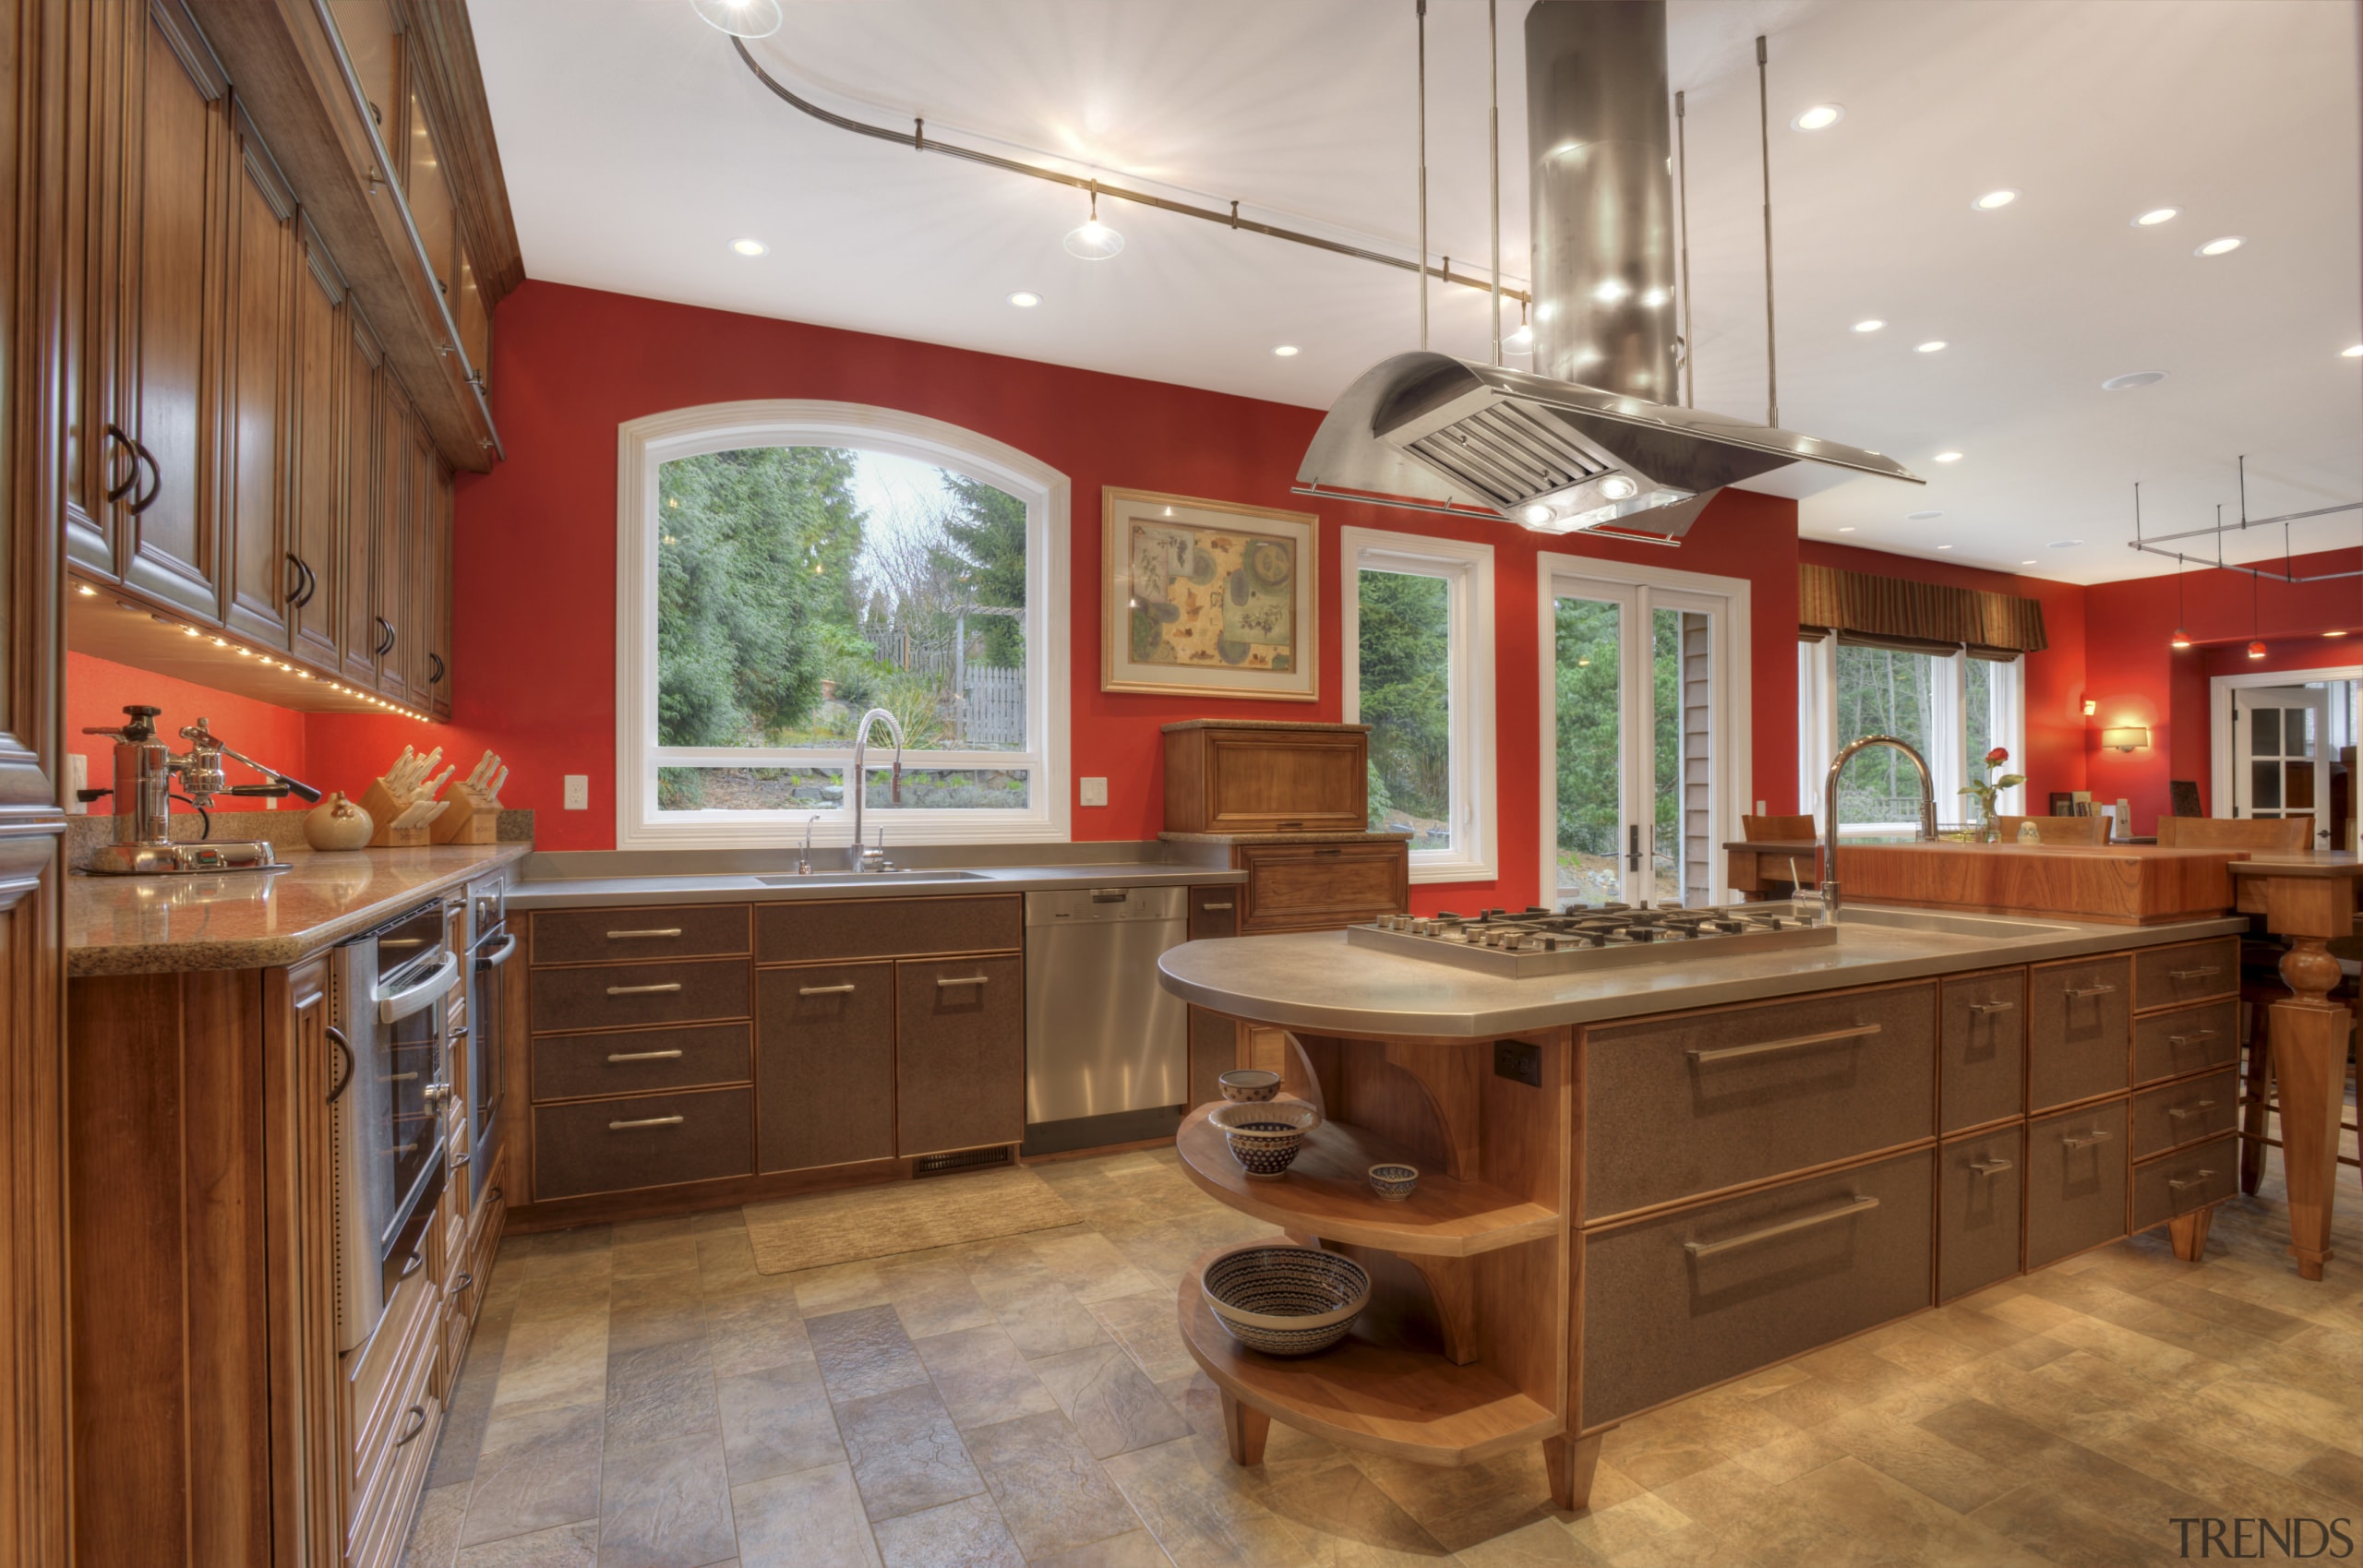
pixel 1250 1084
pixel 1266 1136
pixel 1285 1300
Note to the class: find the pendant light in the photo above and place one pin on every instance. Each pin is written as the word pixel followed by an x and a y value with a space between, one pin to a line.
pixel 740 18
pixel 2181 639
pixel 1093 240
pixel 2256 622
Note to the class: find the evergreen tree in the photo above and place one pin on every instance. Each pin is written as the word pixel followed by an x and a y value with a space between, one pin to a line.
pixel 1406 664
pixel 986 548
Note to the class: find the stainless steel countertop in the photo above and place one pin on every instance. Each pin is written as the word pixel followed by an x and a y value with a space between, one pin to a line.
pixel 528 892
pixel 1317 981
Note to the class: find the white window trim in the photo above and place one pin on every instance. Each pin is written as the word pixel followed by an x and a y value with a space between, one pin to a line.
pixel 1948 757
pixel 1734 729
pixel 643 445
pixel 1469 569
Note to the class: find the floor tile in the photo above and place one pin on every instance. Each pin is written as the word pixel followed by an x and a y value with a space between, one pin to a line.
pixel 907 1453
pixel 806 1519
pixel 1203 1518
pixel 1047 1486
pixel 563 1546
pixel 659 1392
pixel 754 1325
pixel 435 1528
pixel 778 1420
pixel 967 1534
pixel 1135 1548
pixel 1112 1404
pixel 539 1468
pixel 1146 1326
pixel 666 1505
pixel 864 1352
pixel 981 1377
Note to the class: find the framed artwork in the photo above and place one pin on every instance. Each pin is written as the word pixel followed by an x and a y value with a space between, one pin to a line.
pixel 1208 599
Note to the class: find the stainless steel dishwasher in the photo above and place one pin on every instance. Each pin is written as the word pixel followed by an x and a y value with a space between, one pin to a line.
pixel 1106 1047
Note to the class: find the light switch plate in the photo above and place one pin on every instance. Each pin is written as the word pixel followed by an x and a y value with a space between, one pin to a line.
pixel 77 777
pixel 577 792
pixel 1095 792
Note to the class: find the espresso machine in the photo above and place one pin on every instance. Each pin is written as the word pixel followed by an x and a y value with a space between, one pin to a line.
pixel 145 774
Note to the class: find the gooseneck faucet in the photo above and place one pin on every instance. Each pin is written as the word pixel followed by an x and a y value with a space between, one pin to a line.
pixel 894 793
pixel 1830 899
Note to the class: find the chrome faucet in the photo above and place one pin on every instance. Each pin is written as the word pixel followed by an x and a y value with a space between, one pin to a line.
pixel 854 856
pixel 1829 899
pixel 804 861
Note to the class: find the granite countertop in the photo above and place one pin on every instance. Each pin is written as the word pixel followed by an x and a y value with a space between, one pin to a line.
pixel 1320 981
pixel 749 887
pixel 257 919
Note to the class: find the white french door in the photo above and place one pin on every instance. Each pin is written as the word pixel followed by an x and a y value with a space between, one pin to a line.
pixel 2280 760
pixel 1645 703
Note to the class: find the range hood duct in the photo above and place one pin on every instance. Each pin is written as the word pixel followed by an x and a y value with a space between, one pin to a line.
pixel 1591 439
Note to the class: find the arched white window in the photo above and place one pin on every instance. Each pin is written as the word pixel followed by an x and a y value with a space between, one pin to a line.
pixel 784 567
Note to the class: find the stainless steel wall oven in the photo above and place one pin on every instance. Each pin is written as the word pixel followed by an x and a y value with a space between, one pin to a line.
pixel 492 944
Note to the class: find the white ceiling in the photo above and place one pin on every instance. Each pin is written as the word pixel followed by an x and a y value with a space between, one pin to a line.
pixel 637 147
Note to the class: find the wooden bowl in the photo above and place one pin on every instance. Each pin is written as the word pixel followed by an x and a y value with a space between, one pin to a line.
pixel 1285 1300
pixel 1265 1135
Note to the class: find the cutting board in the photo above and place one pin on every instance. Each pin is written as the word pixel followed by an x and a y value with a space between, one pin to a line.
pixel 2115 884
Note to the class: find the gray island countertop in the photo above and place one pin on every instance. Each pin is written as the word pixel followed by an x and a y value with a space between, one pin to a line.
pixel 1321 981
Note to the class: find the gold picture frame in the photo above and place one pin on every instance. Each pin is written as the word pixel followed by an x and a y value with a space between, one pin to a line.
pixel 1206 598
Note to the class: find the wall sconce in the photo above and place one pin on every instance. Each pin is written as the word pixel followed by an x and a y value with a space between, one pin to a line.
pixel 2125 739
pixel 2091 706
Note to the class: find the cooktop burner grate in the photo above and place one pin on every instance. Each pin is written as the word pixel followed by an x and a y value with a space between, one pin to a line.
pixel 1533 941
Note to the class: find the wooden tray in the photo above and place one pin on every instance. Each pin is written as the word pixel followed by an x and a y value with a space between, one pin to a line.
pixel 2115 884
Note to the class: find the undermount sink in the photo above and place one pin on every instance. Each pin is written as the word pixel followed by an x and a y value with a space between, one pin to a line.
pixel 1990 928
pixel 852 879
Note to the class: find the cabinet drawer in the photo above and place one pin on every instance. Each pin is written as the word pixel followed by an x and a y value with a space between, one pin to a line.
pixel 2079 1019
pixel 2168 1045
pixel 959 1054
pixel 1214 911
pixel 887 927
pixel 597 935
pixel 641 1061
pixel 1304 887
pixel 615 995
pixel 2075 1181
pixel 1979 1182
pixel 1982 1035
pixel 390 1376
pixel 2166 975
pixel 1709 1101
pixel 828 1062
pixel 2181 1182
pixel 1676 1302
pixel 1267 779
pixel 651 1141
pixel 2175 1114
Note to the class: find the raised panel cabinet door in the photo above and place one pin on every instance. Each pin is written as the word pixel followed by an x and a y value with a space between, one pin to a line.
pixel 176 303
pixel 359 419
pixel 1299 887
pixel 1214 911
pixel 825 1044
pixel 433 674
pixel 397 433
pixel 314 493
pixel 959 1054
pixel 261 583
pixel 101 126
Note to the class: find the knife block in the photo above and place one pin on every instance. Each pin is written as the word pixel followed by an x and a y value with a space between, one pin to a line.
pixel 379 802
pixel 469 817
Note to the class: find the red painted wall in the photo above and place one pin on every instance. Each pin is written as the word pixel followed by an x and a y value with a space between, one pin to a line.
pixel 2056 758
pixel 98 689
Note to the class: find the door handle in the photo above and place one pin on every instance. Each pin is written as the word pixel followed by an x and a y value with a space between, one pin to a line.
pixel 413 1424
pixel 1987 1007
pixel 1633 846
pixel 311 583
pixel 1989 1168
pixel 1786 1228
pixel 2182 1112
pixel 1796 1042
pixel 637 936
pixel 122 443
pixel 2202 973
pixel 823 990
pixel 2079 1139
pixel 336 1038
pixel 434 669
pixel 2190 1039
pixel 643 1056
pixel 2198 1180
pixel 961 980
pixel 155 478
pixel 2086 993
pixel 643 990
pixel 294 595
pixel 646 1121
pixel 1232 905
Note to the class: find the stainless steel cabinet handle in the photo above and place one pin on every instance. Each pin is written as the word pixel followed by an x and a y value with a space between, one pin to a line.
pixel 823 990
pixel 1225 905
pixel 2082 993
pixel 336 1037
pixel 2198 1180
pixel 643 990
pixel 2190 1039
pixel 2078 1140
pixel 1786 1228
pixel 643 1056
pixel 460 1160
pixel 2179 1112
pixel 644 1121
pixel 413 1424
pixel 963 980
pixel 2203 972
pixel 1989 1168
pixel 623 936
pixel 1986 1007
pixel 418 1260
pixel 461 1283
pixel 1796 1042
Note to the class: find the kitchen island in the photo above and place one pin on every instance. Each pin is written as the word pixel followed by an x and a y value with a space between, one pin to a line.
pixel 1642 1180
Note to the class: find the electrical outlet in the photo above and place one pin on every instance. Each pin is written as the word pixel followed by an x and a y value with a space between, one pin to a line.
pixel 1095 792
pixel 77 778
pixel 1760 809
pixel 577 792
pixel 1520 1061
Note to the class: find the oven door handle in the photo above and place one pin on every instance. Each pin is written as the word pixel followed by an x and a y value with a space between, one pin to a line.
pixel 495 959
pixel 436 986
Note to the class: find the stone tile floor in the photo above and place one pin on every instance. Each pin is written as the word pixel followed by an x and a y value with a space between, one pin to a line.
pixel 637 1396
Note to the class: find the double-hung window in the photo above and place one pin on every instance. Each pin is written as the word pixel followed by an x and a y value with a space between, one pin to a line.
pixel 1951 705
pixel 1418 669
pixel 785 568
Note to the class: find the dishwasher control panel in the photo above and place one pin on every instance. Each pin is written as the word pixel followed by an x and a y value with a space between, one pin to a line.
pixel 1084 906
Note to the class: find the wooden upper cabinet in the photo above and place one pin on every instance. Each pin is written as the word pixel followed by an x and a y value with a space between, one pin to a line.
pixel 437 578
pixel 360 428
pixel 315 490
pixel 262 580
pixel 1264 777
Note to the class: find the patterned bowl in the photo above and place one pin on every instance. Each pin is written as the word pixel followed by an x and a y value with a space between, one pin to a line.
pixel 1394 1183
pixel 1249 1085
pixel 1264 1136
pixel 1285 1300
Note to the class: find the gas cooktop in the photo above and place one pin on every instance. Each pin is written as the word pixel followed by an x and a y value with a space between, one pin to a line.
pixel 1516 944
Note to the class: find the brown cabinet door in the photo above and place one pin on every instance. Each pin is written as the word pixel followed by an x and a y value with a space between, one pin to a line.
pixel 1982 1023
pixel 1979 1179
pixel 2075 1165
pixel 1214 911
pixel 103 46
pixel 315 497
pixel 959 1054
pixel 261 581
pixel 360 430
pixel 826 1069
pixel 437 639
pixel 1318 887
pixel 1280 779
pixel 2080 1029
pixel 397 473
pixel 418 579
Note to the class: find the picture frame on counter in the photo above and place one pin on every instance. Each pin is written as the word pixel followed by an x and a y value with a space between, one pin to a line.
pixel 1205 598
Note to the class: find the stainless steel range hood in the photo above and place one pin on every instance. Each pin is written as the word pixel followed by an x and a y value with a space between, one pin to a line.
pixel 1547 450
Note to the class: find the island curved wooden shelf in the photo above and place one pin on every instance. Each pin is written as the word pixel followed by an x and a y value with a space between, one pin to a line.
pixel 1387 1398
pixel 1326 1194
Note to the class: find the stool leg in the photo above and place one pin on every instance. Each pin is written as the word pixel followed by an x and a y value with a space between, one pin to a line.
pixel 2256 1089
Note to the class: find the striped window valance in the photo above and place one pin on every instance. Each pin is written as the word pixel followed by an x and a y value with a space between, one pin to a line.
pixel 1898 612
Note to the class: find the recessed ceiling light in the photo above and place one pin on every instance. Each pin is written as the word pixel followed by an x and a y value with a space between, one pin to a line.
pixel 2064 544
pixel 2355 352
pixel 2334 634
pixel 741 18
pixel 1820 117
pixel 2131 379
pixel 1994 200
pixel 1872 325
pixel 1286 350
pixel 1847 529
pixel 1943 546
pixel 2027 563
pixel 1934 345
pixel 1949 457
pixel 1026 299
pixel 1922 516
pixel 2224 246
pixel 749 246
pixel 2157 215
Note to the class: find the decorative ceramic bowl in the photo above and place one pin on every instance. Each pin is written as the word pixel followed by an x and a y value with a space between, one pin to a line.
pixel 1264 1136
pixel 337 823
pixel 1285 1300
pixel 1394 1181
pixel 1248 1084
